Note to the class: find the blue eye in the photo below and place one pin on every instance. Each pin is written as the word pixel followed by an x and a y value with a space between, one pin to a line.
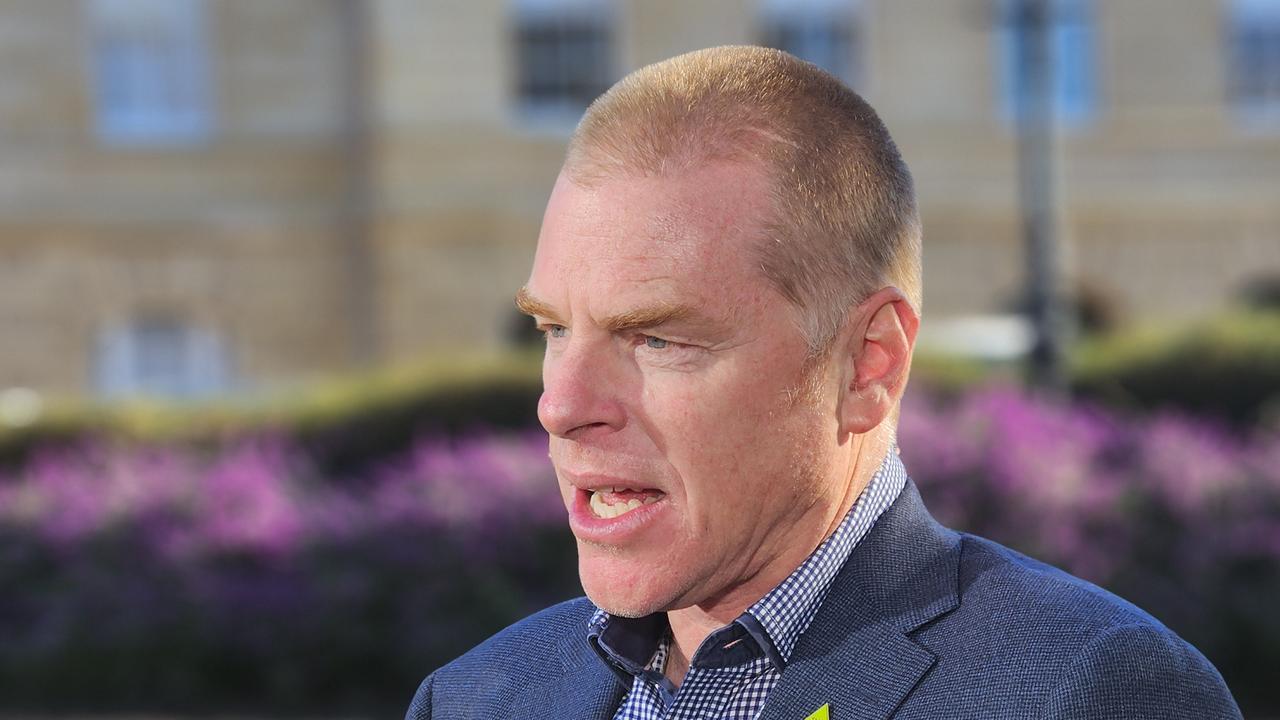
pixel 555 331
pixel 654 342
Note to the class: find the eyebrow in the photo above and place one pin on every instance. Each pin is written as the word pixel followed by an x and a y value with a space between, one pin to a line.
pixel 622 322
pixel 533 307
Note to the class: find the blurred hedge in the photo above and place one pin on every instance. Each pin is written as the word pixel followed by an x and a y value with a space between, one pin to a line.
pixel 161 577
pixel 344 423
pixel 154 578
pixel 1227 367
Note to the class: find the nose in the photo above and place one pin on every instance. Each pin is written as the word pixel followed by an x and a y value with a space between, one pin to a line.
pixel 580 395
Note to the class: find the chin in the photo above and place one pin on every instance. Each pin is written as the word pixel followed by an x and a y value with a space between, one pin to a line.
pixel 622 586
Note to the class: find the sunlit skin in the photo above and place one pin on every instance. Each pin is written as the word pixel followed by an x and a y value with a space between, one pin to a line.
pixel 672 367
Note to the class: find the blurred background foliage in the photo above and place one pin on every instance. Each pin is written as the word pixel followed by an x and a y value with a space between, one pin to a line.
pixel 268 440
pixel 322 552
pixel 1225 369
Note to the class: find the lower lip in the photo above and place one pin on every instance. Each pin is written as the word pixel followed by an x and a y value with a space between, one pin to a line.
pixel 589 527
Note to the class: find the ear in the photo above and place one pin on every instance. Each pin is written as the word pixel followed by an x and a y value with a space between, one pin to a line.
pixel 876 356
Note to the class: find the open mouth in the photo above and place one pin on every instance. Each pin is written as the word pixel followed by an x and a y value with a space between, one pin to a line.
pixel 610 502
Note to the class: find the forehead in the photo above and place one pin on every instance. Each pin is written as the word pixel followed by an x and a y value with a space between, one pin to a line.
pixel 685 230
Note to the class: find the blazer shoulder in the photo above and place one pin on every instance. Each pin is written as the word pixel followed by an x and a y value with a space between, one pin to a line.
pixel 1081 650
pixel 1139 672
pixel 528 643
pixel 499 669
pixel 1010 584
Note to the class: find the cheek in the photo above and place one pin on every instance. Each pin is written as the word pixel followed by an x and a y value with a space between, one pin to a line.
pixel 722 436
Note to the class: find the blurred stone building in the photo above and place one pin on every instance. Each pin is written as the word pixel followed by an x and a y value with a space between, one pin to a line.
pixel 203 196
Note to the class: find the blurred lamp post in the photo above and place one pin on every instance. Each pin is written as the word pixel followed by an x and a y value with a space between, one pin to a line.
pixel 1034 93
pixel 357 197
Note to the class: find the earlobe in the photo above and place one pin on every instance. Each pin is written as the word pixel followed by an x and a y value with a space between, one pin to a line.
pixel 864 410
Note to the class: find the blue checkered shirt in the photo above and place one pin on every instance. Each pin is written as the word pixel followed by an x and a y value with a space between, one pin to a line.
pixel 736 667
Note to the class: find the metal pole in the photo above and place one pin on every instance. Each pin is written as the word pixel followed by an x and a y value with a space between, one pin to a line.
pixel 357 193
pixel 1037 193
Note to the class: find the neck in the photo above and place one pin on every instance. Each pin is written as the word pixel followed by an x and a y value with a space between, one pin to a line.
pixel 691 625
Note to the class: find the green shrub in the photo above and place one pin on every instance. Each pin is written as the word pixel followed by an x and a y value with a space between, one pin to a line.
pixel 344 423
pixel 953 374
pixel 1227 367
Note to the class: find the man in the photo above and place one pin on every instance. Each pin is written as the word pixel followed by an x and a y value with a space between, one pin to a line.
pixel 728 277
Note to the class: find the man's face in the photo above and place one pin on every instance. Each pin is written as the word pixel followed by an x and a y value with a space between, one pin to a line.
pixel 685 459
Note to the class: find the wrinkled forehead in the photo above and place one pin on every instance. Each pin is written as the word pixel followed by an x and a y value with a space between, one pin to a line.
pixel 702 222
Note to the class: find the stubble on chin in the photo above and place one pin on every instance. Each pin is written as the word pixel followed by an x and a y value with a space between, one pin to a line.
pixel 624 599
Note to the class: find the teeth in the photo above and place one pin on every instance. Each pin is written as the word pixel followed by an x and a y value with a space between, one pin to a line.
pixel 599 507
pixel 603 509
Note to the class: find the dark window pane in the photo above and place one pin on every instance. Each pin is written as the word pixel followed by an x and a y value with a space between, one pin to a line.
pixel 562 62
pixel 828 42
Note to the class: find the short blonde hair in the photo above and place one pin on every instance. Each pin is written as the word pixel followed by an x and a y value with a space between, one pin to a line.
pixel 845 219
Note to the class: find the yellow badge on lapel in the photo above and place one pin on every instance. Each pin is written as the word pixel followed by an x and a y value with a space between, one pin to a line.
pixel 822 713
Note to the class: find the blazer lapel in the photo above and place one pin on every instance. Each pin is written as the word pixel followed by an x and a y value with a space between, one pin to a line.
pixel 858 655
pixel 584 690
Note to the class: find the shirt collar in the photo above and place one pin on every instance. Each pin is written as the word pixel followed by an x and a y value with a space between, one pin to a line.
pixel 786 611
pixel 777 620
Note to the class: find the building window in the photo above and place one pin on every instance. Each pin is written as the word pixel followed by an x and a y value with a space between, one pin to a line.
pixel 824 32
pixel 160 357
pixel 1071 55
pixel 564 56
pixel 149 67
pixel 1254 42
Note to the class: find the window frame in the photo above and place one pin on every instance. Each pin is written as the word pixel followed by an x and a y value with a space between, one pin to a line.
pixel 1073 46
pixel 557 98
pixel 1255 104
pixel 160 356
pixel 157 96
pixel 845 20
